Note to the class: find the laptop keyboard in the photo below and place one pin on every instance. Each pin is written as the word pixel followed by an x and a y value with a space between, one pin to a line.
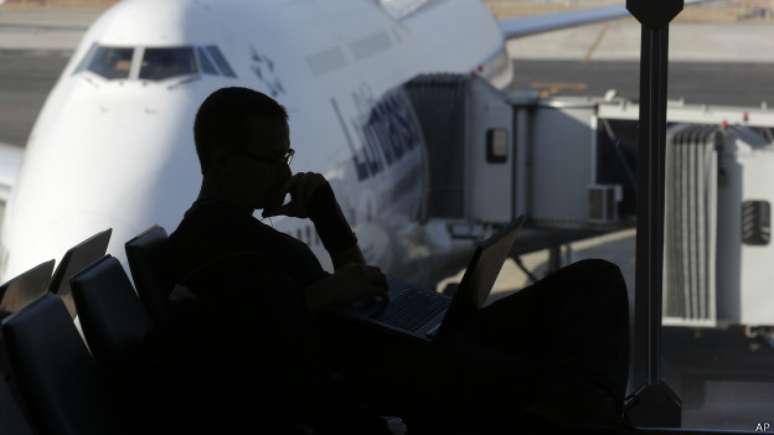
pixel 412 309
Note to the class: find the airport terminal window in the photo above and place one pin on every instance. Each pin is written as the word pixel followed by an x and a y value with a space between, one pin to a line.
pixel 206 64
pixel 164 63
pixel 112 63
pixel 220 60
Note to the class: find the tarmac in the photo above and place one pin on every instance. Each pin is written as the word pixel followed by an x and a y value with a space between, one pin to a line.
pixel 740 42
pixel 44 29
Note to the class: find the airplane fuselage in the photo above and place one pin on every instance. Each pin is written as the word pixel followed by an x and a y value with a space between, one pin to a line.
pixel 113 145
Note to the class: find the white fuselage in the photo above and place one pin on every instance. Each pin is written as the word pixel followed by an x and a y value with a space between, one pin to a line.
pixel 120 153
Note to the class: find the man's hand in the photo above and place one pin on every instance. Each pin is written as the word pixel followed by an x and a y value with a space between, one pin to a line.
pixel 302 187
pixel 313 198
pixel 351 283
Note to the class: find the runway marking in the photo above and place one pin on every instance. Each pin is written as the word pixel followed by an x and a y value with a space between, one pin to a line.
pixel 548 89
pixel 596 43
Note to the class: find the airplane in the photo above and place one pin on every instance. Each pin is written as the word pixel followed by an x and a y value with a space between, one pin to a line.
pixel 113 145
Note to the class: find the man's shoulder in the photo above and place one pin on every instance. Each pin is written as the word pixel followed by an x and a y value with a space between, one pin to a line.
pixel 203 220
pixel 206 234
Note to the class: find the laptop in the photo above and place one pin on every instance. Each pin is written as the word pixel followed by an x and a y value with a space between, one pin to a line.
pixel 25 288
pixel 76 259
pixel 427 314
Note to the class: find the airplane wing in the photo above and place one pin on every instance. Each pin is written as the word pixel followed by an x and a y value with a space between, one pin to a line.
pixel 525 26
pixel 10 161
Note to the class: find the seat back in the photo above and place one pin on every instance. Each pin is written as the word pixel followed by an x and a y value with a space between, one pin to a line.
pixel 25 288
pixel 256 334
pixel 18 292
pixel 154 285
pixel 76 259
pixel 57 378
pixel 12 419
pixel 228 281
pixel 113 319
pixel 256 309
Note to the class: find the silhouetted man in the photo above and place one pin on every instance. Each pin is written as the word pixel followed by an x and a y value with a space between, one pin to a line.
pixel 557 349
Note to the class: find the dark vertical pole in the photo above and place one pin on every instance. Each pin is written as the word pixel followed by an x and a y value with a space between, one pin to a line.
pixel 650 201
pixel 658 405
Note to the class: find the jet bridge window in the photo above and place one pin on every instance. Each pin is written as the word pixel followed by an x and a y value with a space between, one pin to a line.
pixel 756 223
pixel 112 63
pixel 164 63
pixel 497 145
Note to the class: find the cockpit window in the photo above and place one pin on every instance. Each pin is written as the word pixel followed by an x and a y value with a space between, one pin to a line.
pixel 112 63
pixel 154 63
pixel 220 60
pixel 206 64
pixel 164 63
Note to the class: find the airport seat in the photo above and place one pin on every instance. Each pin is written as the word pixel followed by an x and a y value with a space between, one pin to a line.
pixel 17 293
pixel 12 419
pixel 24 288
pixel 177 324
pixel 154 286
pixel 57 378
pixel 120 335
pixel 113 319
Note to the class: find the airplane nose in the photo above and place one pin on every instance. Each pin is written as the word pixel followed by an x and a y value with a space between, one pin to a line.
pixel 123 168
pixel 52 235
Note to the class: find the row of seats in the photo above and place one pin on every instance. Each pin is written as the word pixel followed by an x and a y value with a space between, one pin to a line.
pixel 141 368
pixel 64 389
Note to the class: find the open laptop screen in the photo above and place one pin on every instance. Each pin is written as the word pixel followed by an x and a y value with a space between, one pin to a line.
pixel 494 252
pixel 77 258
pixel 480 276
pixel 25 288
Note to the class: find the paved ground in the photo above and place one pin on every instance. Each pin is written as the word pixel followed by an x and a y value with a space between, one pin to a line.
pixel 36 28
pixel 620 40
pixel 26 77
pixel 712 11
pixel 737 84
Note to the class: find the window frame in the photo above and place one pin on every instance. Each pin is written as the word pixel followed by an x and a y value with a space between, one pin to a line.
pixel 144 49
pixel 84 64
pixel 201 54
pixel 229 70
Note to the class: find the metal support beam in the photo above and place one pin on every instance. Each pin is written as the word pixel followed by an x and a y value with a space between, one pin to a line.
pixel 655 403
pixel 650 201
pixel 554 258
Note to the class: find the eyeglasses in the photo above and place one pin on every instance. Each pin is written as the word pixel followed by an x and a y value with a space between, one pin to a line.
pixel 286 158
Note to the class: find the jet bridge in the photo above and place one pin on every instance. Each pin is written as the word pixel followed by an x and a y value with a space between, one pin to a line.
pixel 492 157
pixel 468 131
pixel 569 164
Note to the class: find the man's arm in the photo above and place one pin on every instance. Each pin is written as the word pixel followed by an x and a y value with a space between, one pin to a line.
pixel 335 233
pixel 313 198
pixel 351 283
pixel 332 233
pixel 351 255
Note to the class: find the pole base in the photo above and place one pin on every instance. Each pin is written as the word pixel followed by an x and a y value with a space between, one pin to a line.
pixel 655 405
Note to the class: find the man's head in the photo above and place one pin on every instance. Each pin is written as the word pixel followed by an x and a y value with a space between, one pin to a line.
pixel 242 138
